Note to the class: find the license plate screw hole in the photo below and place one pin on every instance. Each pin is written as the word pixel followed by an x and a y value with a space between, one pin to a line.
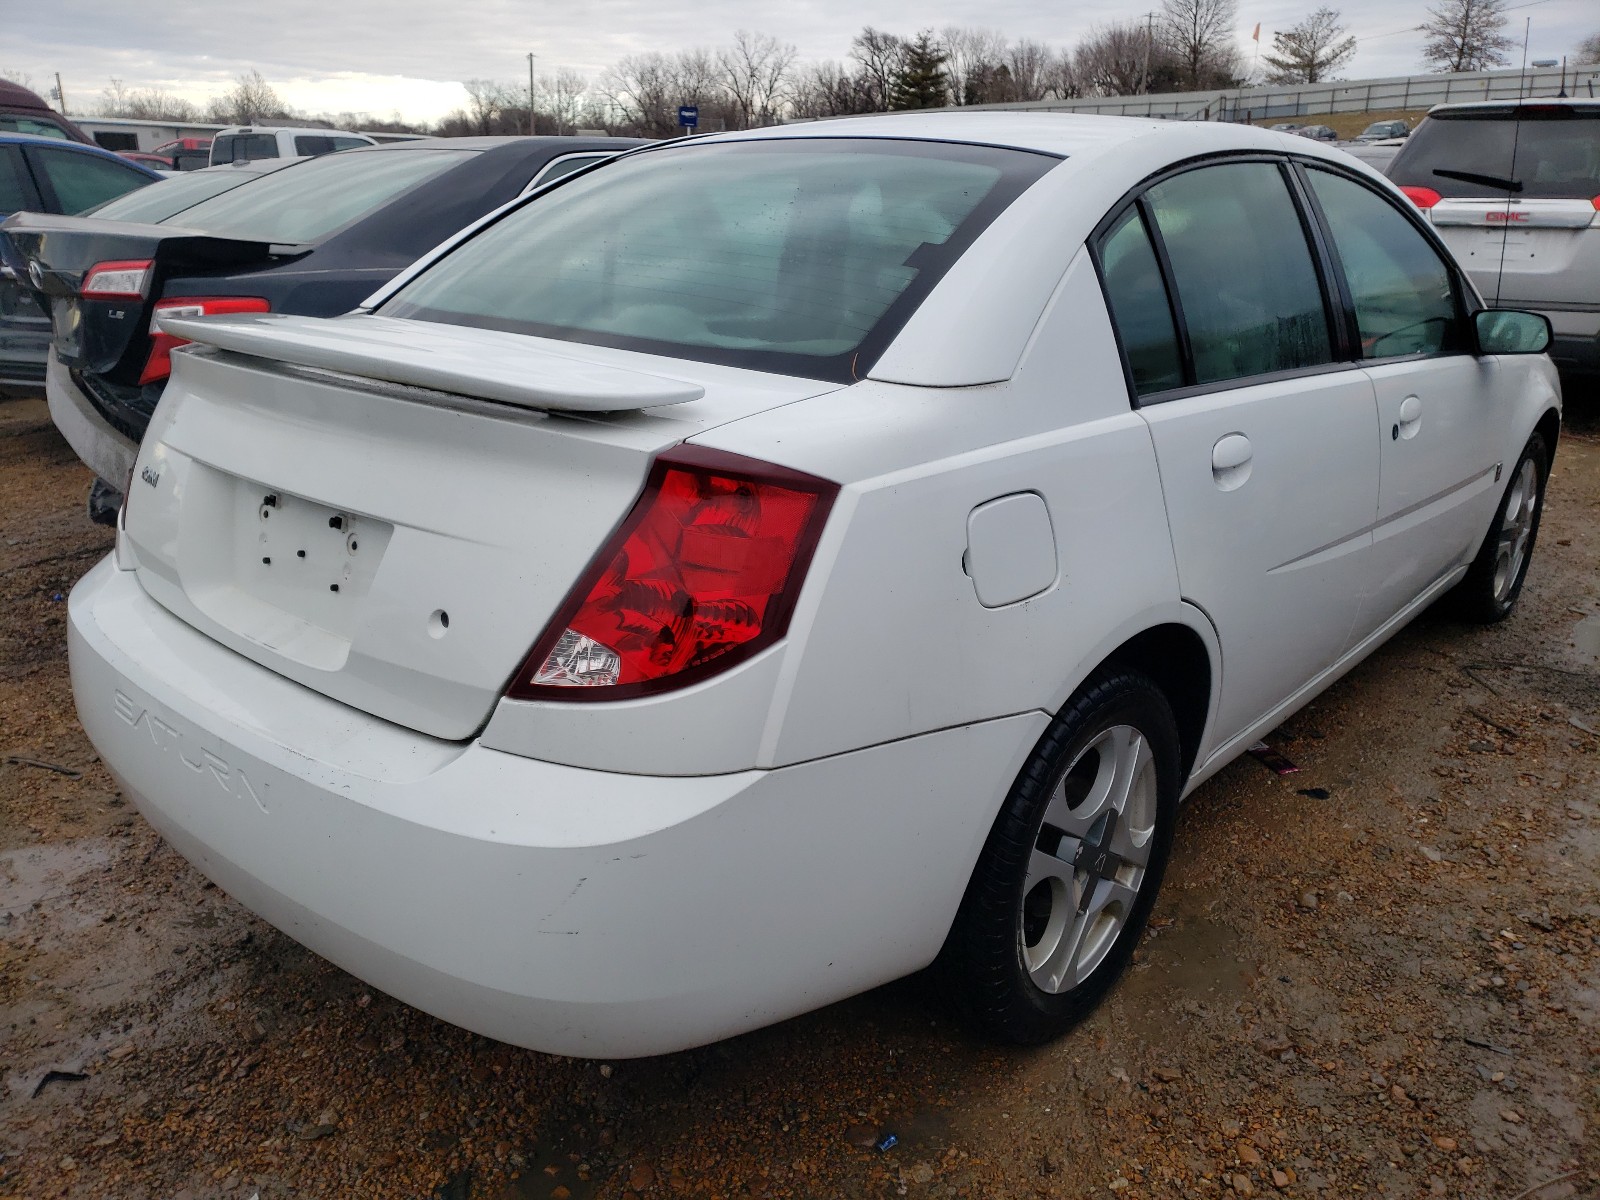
pixel 266 561
pixel 351 544
pixel 333 587
pixel 335 522
pixel 299 553
pixel 438 623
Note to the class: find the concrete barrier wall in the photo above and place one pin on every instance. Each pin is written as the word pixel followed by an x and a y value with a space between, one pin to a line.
pixel 1285 101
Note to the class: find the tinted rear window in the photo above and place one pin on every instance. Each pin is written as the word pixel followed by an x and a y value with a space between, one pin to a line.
pixel 307 202
pixel 1553 152
pixel 242 147
pixel 161 200
pixel 800 256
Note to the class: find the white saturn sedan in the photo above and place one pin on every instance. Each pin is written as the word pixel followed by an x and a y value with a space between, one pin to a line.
pixel 763 566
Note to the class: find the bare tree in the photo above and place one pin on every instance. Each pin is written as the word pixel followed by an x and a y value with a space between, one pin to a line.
pixel 756 70
pixel 1198 33
pixel 1466 35
pixel 638 89
pixel 881 56
pixel 829 89
pixel 1116 60
pixel 486 100
pixel 1030 63
pixel 970 53
pixel 155 104
pixel 114 99
pixel 1310 51
pixel 1589 49
pixel 20 78
pixel 251 99
pixel 563 96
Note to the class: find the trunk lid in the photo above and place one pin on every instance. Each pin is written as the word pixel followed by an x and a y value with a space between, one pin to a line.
pixel 1521 252
pixel 109 338
pixel 400 547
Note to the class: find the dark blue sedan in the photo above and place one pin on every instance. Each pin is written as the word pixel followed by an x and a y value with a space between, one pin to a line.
pixel 49 175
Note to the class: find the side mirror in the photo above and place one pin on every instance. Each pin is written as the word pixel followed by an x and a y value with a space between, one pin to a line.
pixel 1501 331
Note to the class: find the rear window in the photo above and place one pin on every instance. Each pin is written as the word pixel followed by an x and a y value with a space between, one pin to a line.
pixel 38 126
pixel 162 200
pixel 242 147
pixel 318 143
pixel 1553 152
pixel 307 202
pixel 799 256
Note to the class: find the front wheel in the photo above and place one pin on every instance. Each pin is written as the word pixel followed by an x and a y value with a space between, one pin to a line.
pixel 1492 584
pixel 1069 873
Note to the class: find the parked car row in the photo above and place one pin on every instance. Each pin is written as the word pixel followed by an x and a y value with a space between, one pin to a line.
pixel 615 611
pixel 312 236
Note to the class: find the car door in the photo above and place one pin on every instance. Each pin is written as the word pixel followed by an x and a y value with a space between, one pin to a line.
pixel 1436 422
pixel 24 326
pixel 1262 435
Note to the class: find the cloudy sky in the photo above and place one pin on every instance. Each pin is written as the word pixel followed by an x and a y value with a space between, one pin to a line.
pixel 384 56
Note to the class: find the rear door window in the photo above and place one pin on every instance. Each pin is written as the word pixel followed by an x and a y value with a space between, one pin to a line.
pixel 1247 284
pixel 1551 152
pixel 1404 294
pixel 81 180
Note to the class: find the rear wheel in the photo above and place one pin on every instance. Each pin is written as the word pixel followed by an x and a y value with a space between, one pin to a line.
pixel 1492 584
pixel 1066 880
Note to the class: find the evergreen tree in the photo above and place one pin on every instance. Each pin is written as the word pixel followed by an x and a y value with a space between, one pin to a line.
pixel 921 81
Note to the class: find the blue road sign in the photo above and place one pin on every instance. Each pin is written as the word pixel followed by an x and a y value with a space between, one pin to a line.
pixel 688 116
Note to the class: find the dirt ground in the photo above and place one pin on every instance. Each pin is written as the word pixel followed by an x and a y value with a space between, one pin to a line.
pixel 1376 976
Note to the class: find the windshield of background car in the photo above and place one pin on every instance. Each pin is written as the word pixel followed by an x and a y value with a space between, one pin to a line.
pixel 305 203
pixel 797 256
pixel 1553 151
pixel 162 200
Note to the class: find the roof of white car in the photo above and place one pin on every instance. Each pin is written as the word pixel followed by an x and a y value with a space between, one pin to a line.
pixel 1066 134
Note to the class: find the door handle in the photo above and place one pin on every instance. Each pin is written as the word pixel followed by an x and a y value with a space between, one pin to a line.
pixel 1410 421
pixel 1230 461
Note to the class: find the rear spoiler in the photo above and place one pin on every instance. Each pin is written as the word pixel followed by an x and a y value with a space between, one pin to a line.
pixel 54 252
pixel 506 367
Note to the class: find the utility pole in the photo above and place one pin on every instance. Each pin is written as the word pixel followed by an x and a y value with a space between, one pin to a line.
pixel 61 95
pixel 530 92
pixel 1149 40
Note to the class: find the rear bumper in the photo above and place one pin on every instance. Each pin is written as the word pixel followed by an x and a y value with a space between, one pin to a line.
pixel 107 452
pixel 572 911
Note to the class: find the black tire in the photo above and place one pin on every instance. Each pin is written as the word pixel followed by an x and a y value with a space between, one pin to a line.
pixel 1480 596
pixel 984 963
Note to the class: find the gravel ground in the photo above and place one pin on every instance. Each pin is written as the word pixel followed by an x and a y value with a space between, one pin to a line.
pixel 1378 975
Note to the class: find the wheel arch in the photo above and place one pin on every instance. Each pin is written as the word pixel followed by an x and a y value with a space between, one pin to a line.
pixel 1178 660
pixel 1549 428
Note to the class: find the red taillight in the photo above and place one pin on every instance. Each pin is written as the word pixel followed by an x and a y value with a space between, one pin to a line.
pixel 159 365
pixel 702 574
pixel 1596 203
pixel 116 280
pixel 1422 197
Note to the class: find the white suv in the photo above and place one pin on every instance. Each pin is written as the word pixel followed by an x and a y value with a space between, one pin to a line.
pixel 1513 188
pixel 238 143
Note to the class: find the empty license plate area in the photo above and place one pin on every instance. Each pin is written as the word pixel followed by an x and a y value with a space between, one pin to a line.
pixel 288 573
